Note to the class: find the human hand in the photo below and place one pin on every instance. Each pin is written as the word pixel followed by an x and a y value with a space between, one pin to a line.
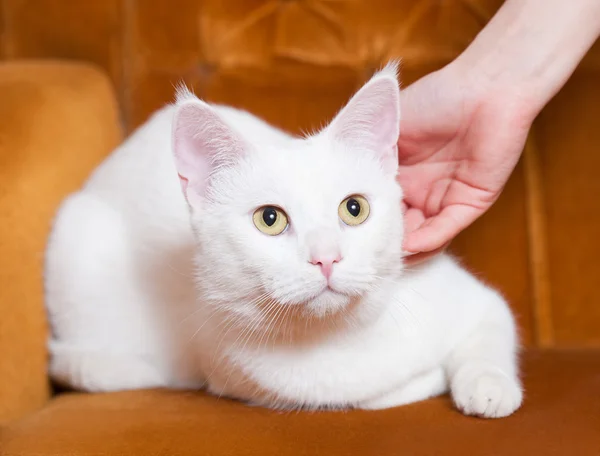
pixel 464 126
pixel 460 139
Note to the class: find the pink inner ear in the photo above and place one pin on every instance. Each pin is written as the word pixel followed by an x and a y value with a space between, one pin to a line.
pixel 183 182
pixel 371 119
pixel 191 157
pixel 201 141
pixel 385 126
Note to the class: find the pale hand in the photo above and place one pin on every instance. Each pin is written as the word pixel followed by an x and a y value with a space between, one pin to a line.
pixel 459 142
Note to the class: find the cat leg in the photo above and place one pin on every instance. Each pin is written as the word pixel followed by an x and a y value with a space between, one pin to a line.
pixel 96 371
pixel 483 368
pixel 103 335
pixel 429 384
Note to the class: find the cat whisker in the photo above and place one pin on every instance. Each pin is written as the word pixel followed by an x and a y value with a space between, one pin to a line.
pixel 273 323
pixel 246 333
pixel 403 307
pixel 214 312
pixel 397 282
pixel 195 312
pixel 253 323
pixel 270 308
pixel 250 332
pixel 273 313
pixel 284 324
pixel 257 299
pixel 172 268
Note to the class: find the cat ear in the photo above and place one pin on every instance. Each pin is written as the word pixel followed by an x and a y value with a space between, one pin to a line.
pixel 371 119
pixel 202 141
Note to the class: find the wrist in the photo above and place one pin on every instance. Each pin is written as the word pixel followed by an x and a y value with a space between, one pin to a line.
pixel 490 81
pixel 529 50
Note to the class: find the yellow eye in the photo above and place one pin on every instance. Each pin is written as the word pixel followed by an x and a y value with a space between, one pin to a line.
pixel 270 220
pixel 354 210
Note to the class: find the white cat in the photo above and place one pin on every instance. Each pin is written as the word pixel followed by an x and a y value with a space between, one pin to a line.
pixel 276 277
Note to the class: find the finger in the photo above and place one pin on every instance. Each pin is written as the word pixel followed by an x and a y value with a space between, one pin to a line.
pixel 414 183
pixel 417 181
pixel 413 219
pixel 421 257
pixel 441 229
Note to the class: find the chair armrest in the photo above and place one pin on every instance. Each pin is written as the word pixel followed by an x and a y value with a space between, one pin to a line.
pixel 57 121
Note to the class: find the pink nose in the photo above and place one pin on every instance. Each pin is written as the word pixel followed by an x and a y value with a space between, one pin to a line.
pixel 326 263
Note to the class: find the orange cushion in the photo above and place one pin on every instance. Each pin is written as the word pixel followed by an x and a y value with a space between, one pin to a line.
pixel 560 416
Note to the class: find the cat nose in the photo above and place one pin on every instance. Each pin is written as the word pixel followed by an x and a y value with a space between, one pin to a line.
pixel 326 262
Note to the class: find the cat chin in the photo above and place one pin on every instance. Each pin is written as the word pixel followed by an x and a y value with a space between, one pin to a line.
pixel 328 302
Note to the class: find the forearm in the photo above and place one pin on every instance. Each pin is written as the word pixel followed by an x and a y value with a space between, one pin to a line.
pixel 531 47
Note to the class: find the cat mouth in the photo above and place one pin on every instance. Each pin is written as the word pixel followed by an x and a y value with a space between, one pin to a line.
pixel 328 301
pixel 326 291
pixel 329 290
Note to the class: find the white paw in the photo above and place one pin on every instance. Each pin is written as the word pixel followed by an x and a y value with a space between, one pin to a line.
pixel 485 391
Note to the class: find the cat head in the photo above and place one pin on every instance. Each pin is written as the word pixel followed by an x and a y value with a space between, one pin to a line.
pixel 310 222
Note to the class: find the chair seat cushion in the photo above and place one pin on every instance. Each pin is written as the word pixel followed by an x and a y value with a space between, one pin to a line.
pixel 560 416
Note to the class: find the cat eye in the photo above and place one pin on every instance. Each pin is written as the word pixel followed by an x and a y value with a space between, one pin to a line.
pixel 270 220
pixel 354 210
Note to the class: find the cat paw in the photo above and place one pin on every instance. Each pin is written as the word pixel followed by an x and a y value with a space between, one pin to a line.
pixel 485 391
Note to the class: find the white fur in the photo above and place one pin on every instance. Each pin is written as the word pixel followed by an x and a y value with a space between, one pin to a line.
pixel 146 289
